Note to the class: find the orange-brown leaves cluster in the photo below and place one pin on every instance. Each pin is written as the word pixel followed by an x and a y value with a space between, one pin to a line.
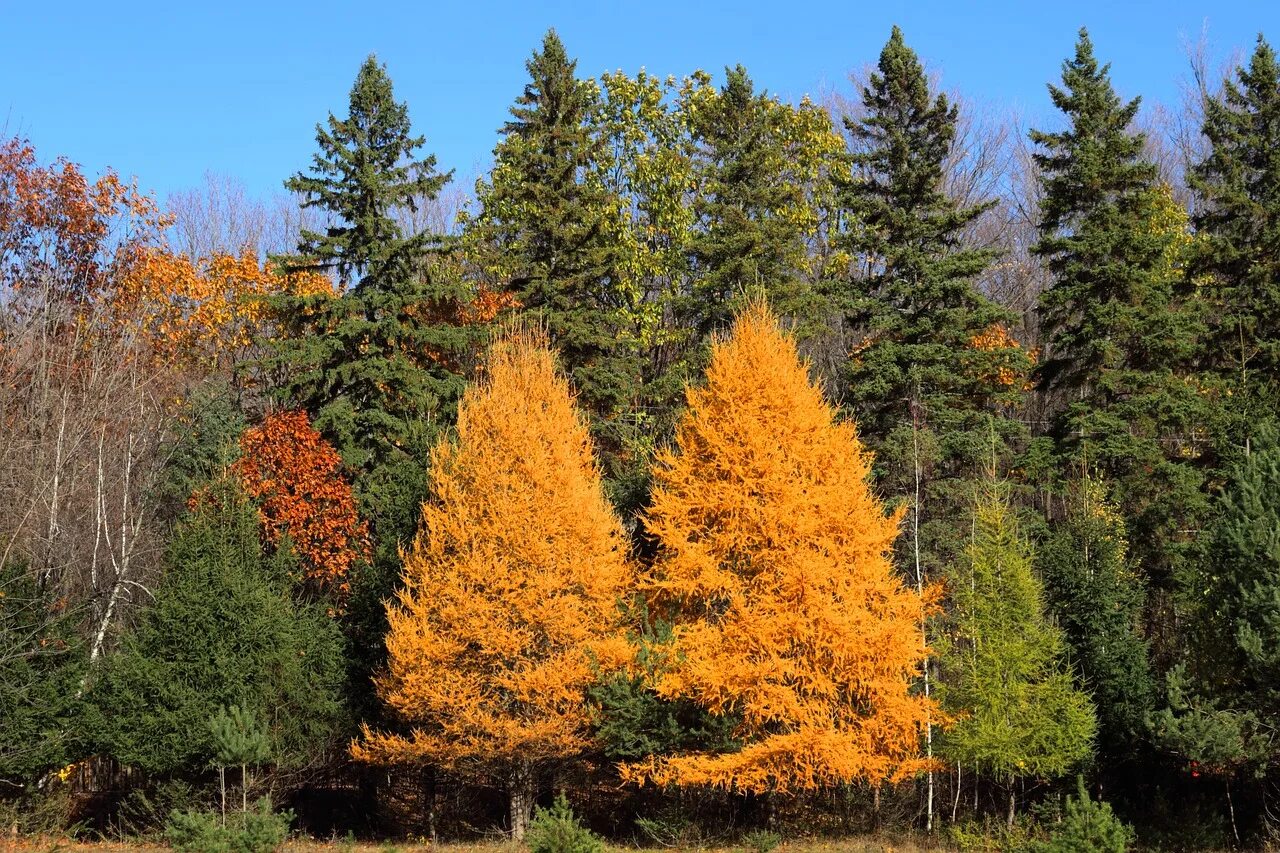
pixel 203 313
pixel 1006 363
pixel 774 566
pixel 511 590
pixel 58 228
pixel 297 477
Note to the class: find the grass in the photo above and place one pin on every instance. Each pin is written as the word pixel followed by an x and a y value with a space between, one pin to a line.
pixel 843 845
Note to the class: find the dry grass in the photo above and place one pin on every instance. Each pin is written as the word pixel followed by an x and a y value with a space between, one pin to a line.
pixel 845 845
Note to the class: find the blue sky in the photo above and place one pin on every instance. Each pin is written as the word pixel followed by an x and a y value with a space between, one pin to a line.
pixel 166 91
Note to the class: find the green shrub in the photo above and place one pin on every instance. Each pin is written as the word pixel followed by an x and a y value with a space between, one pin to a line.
pixel 761 841
pixel 259 830
pixel 557 830
pixel 1088 826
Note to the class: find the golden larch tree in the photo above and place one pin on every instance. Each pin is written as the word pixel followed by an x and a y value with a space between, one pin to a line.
pixel 774 569
pixel 510 603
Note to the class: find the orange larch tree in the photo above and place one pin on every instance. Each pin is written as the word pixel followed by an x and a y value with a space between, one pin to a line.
pixel 297 477
pixel 510 604
pixel 774 570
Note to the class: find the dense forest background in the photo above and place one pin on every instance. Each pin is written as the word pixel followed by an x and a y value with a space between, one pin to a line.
pixel 723 463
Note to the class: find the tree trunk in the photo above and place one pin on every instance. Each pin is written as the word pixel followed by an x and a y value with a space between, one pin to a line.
pixel 521 793
pixel 1013 802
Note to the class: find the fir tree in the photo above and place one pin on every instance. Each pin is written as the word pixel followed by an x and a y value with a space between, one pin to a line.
pixel 1242 557
pixel 221 631
pixel 1237 220
pixel 550 231
pixel 751 206
pixel 935 373
pixel 1118 340
pixel 1001 671
pixel 380 366
pixel 42 665
pixel 1097 599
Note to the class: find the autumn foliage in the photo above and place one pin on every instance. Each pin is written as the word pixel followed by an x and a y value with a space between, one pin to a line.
pixel 204 313
pixel 775 569
pixel 511 589
pixel 297 477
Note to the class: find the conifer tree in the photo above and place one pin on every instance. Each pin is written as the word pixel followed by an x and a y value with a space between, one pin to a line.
pixel 42 666
pixel 1001 672
pixel 509 607
pixel 221 631
pixel 379 367
pixel 1097 600
pixel 1237 221
pixel 550 232
pixel 936 373
pixel 1242 556
pixel 1118 339
pixel 774 570
pixel 752 204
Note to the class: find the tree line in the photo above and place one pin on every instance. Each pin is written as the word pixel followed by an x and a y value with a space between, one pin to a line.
pixel 721 462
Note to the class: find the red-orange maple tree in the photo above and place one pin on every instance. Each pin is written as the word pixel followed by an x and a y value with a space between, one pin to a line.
pixel 297 476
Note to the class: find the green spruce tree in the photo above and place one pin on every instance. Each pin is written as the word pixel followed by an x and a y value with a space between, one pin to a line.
pixel 1242 558
pixel 935 375
pixel 42 664
pixel 550 232
pixel 222 630
pixel 1236 265
pixel 1117 338
pixel 1097 599
pixel 751 207
pixel 1001 673
pixel 380 365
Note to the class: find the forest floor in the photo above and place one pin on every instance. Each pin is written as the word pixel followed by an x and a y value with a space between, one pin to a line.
pixel 842 845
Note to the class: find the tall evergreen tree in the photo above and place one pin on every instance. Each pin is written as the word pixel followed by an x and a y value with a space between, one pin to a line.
pixel 935 373
pixel 380 366
pixel 1001 669
pixel 1097 598
pixel 550 231
pixel 1237 221
pixel 751 205
pixel 1117 337
pixel 221 631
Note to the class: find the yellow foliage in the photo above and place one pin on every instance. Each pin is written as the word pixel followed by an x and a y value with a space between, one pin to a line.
pixel 775 570
pixel 511 590
pixel 196 314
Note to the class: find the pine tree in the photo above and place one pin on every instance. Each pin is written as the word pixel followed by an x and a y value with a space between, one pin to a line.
pixel 379 367
pixel 1242 558
pixel 752 203
pixel 935 374
pixel 550 231
pixel 1118 339
pixel 1237 221
pixel 222 630
pixel 1097 600
pixel 42 665
pixel 509 608
pixel 1001 674
pixel 774 570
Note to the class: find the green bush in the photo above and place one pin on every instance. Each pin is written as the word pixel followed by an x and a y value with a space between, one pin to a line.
pixel 1088 826
pixel 259 830
pixel 557 830
pixel 761 841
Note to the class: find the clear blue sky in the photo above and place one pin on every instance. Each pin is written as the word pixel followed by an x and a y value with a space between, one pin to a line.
pixel 166 91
